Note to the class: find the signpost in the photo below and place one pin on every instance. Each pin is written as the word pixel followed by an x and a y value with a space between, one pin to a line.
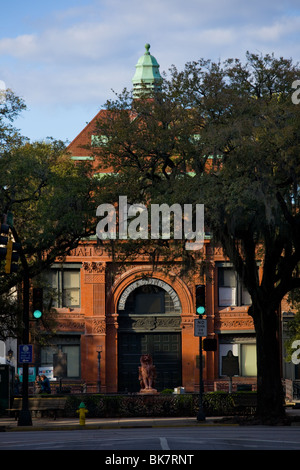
pixel 200 329
pixel 25 415
pixel 25 353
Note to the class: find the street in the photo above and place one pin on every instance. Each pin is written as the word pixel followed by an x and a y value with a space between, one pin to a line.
pixel 157 439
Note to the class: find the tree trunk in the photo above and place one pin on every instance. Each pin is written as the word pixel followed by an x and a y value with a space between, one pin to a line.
pixel 270 396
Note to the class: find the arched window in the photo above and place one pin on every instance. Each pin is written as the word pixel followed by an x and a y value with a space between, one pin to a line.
pixel 149 299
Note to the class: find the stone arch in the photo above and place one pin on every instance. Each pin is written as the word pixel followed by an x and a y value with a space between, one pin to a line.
pixel 149 282
pixel 124 332
pixel 171 282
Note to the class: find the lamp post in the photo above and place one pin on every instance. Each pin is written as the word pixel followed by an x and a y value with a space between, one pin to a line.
pixel 10 354
pixel 99 349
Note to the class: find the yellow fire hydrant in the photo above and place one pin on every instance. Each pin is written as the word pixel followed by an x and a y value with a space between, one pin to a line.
pixel 82 411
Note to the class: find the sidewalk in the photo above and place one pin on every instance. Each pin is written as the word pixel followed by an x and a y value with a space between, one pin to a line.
pixel 39 424
pixel 49 424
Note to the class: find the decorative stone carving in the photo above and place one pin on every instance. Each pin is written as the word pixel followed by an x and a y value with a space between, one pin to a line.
pixel 94 272
pixel 149 322
pixel 232 322
pixel 99 326
pixel 71 324
pixel 93 267
pixel 187 322
pixel 95 326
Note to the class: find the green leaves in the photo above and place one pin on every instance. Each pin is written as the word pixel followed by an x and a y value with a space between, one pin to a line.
pixel 10 107
pixel 225 135
pixel 50 198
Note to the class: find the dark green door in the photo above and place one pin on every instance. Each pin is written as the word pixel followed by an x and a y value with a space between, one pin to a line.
pixel 165 349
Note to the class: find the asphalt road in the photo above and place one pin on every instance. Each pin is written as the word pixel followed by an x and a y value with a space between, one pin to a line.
pixel 162 440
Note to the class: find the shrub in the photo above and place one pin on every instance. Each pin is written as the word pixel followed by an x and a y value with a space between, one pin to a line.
pixel 161 405
pixel 218 403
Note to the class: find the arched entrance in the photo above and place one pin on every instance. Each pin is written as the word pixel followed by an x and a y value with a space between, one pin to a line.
pixel 149 323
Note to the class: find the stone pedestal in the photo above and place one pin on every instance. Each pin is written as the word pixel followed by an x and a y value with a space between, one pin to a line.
pixel 148 391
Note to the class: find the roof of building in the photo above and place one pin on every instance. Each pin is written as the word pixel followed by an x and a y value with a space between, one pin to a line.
pixel 147 74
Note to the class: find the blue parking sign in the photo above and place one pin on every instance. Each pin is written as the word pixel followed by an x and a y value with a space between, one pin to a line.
pixel 25 353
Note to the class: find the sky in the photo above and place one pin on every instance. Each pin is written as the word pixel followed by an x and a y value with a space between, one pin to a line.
pixel 67 58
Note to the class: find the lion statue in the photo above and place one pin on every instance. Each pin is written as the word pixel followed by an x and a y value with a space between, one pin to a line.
pixel 147 372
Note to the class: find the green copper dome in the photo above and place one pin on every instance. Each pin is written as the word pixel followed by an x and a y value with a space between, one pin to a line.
pixel 147 73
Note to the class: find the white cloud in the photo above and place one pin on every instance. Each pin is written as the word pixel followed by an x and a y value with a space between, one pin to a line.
pixel 83 41
pixel 23 46
pixel 278 30
pixel 78 54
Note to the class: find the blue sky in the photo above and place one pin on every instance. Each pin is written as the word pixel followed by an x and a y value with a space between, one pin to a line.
pixel 64 57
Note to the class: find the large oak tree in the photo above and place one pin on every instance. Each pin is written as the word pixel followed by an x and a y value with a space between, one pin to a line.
pixel 225 135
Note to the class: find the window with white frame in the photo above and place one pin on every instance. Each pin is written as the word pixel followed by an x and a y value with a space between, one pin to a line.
pixel 231 291
pixel 70 347
pixel 64 282
pixel 246 353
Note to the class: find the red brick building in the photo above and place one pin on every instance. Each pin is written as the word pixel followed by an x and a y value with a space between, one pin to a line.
pixel 141 311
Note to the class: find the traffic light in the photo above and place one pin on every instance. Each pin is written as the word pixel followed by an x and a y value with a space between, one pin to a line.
pixel 210 344
pixel 12 257
pixel 37 302
pixel 200 299
pixel 9 250
pixel 8 256
pixel 4 229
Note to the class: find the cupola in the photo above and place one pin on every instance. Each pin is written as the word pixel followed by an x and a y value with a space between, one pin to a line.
pixel 147 75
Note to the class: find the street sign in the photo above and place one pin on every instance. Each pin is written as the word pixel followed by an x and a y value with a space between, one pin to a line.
pixel 25 353
pixel 200 327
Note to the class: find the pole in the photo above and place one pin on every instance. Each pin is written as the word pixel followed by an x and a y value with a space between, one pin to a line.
pixel 200 415
pixel 99 380
pixel 25 415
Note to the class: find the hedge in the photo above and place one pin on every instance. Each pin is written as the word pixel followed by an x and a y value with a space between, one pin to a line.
pixel 162 405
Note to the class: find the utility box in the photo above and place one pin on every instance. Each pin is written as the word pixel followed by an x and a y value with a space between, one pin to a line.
pixel 7 375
